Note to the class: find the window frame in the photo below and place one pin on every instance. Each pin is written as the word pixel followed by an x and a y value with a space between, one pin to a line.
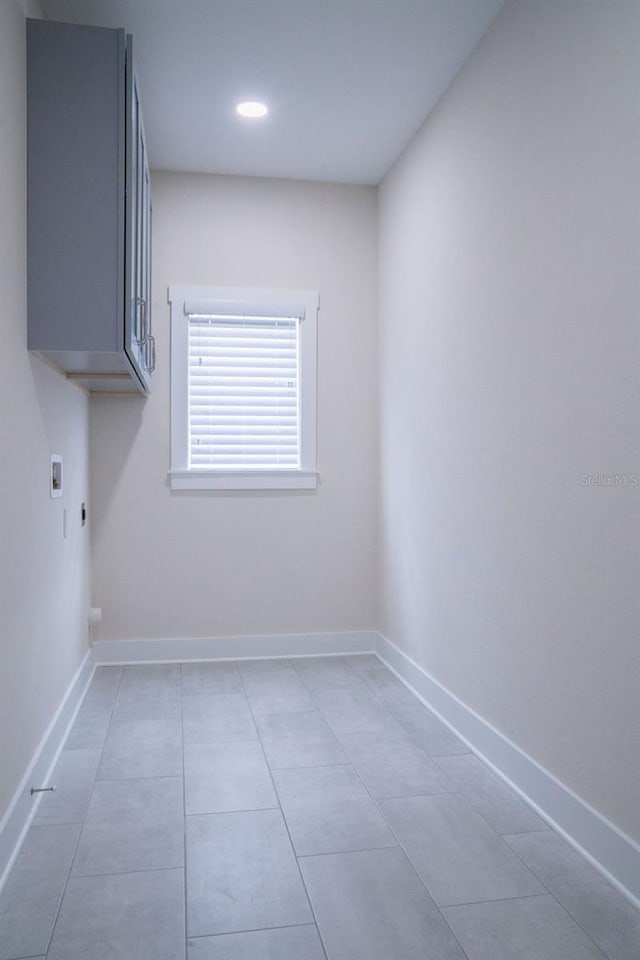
pixel 303 304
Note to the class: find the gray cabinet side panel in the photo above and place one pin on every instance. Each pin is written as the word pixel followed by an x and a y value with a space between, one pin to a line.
pixel 75 165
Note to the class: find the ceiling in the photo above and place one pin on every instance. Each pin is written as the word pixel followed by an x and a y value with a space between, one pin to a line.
pixel 347 82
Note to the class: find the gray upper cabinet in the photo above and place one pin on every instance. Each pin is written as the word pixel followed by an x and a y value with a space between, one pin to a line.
pixel 89 208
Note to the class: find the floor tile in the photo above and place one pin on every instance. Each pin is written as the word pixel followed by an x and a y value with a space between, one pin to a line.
pixel 492 798
pixel 328 810
pixel 536 928
pixel 312 750
pixel 257 668
pixel 319 783
pixel 298 739
pixel 73 778
pixel 153 677
pixel 242 874
pixel 146 705
pixel 431 734
pixel 274 693
pixel 220 777
pixel 371 905
pixel 457 854
pixel 132 825
pixel 101 692
pixel 391 765
pixel 211 678
pixel 354 710
pixel 287 943
pixel 601 911
pixel 142 748
pixel 225 717
pixel 31 897
pixel 292 723
pixel 133 916
pixel 89 729
pixel 387 688
pixel 150 691
pixel 336 826
pixel 321 673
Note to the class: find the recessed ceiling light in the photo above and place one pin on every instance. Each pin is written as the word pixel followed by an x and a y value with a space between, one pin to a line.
pixel 252 109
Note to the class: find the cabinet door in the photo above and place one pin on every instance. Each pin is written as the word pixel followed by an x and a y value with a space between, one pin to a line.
pixel 150 341
pixel 144 253
pixel 137 315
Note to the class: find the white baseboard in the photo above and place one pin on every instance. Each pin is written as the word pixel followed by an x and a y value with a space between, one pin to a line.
pixel 613 853
pixel 234 648
pixel 17 819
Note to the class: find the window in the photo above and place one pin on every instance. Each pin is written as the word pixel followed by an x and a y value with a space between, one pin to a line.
pixel 243 388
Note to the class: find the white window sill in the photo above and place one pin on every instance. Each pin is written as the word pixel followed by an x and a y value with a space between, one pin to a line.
pixel 243 479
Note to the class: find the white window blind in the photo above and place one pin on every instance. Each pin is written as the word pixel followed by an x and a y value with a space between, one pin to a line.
pixel 243 392
pixel 243 388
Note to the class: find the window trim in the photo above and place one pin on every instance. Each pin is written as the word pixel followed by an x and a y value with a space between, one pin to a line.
pixel 300 303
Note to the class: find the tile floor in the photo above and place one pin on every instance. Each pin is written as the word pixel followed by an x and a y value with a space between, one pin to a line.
pixel 307 809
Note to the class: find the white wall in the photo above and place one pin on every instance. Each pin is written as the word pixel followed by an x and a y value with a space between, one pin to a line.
pixel 44 579
pixel 509 265
pixel 173 565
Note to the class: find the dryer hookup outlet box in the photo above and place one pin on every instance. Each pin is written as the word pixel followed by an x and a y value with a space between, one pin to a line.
pixel 55 476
